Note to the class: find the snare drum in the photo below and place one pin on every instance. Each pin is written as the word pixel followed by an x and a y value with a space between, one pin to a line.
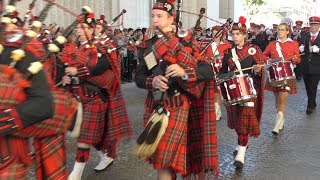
pixel 280 73
pixel 236 89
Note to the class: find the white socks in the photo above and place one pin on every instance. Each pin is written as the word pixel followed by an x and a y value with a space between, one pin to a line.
pixel 217 111
pixel 77 171
pixel 281 117
pixel 239 159
pixel 279 123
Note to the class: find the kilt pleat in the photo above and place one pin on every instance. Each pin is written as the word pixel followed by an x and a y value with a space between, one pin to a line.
pixel 172 149
pixel 50 157
pixel 117 125
pixel 243 119
pixel 202 138
pixel 93 122
pixel 17 171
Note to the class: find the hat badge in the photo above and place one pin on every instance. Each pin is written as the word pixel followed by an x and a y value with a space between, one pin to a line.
pixel 168 6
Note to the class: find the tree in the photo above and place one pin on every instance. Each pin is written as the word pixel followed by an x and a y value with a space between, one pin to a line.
pixel 252 7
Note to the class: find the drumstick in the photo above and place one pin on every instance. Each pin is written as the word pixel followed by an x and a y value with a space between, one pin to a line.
pixel 59 83
pixel 245 69
pixel 293 56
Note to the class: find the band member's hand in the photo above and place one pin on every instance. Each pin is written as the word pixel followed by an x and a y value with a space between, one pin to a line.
pixel 66 80
pixel 315 49
pixel 257 69
pixel 161 83
pixel 294 59
pixel 301 48
pixel 59 55
pixel 174 70
pixel 71 71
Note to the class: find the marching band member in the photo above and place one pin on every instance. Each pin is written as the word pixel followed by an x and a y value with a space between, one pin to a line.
pixel 107 147
pixel 215 55
pixel 37 107
pixel 310 62
pixel 273 36
pixel 38 115
pixel 244 118
pixel 284 47
pixel 181 149
pixel 259 37
pixel 96 84
pixel 296 35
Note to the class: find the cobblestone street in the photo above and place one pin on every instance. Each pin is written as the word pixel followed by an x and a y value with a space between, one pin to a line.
pixel 294 154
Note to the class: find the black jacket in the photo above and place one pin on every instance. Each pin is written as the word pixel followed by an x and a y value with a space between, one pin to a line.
pixel 38 105
pixel 310 62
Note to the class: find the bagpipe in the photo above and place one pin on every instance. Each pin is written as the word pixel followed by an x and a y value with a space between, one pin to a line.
pixel 13 85
pixel 157 124
pixel 109 25
pixel 29 12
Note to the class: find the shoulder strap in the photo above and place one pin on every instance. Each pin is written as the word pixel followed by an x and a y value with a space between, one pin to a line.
pixel 279 50
pixel 235 59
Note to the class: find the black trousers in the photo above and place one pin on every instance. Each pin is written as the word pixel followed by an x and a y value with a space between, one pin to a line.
pixel 311 83
pixel 297 71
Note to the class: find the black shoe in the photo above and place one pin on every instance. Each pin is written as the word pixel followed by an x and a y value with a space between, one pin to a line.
pixel 238 164
pixel 299 78
pixel 309 111
pixel 235 152
pixel 104 168
pixel 130 80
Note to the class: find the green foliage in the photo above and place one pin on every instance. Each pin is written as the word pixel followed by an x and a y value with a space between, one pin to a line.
pixel 254 2
pixel 252 7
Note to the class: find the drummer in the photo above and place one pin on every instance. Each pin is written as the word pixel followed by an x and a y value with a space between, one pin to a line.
pixel 287 49
pixel 245 117
pixel 215 55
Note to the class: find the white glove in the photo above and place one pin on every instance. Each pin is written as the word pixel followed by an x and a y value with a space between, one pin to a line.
pixel 315 49
pixel 301 48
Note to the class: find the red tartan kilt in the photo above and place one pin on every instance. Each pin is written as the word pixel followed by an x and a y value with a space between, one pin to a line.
pixel 65 107
pixel 11 88
pixel 14 159
pixel 17 171
pixel 292 84
pixel 93 122
pixel 243 119
pixel 172 149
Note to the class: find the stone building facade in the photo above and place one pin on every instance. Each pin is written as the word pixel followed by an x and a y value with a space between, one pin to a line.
pixel 138 11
